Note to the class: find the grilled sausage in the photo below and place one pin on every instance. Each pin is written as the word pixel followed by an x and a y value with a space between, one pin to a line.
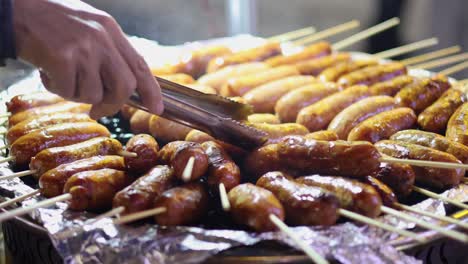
pixel 94 190
pixel 400 177
pixel 333 73
pixel 202 88
pixel 433 177
pixel 177 154
pixel 198 136
pixel 263 118
pixel 238 99
pixel 127 111
pixel 51 183
pixel 259 53
pixel 354 114
pixel 391 87
pixel 242 84
pixel 146 148
pixel 433 140
pixel 218 78
pixel 313 51
pixel 70 107
pixel 373 74
pixel 195 62
pixel 315 66
pixel 264 97
pixel 252 206
pixel 221 168
pixel 140 195
pixel 289 105
pixel 319 115
pixel 352 195
pixel 277 132
pixel 422 93
pixel 383 125
pixel 180 78
pixel 58 135
pixel 386 194
pixel 184 205
pixel 27 101
pixel 436 116
pixel 31 124
pixel 325 135
pixel 304 205
pixel 139 122
pixel 50 158
pixel 457 125
pixel 166 130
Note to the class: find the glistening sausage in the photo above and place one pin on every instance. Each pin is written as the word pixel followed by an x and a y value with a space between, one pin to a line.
pixel 457 127
pixel 146 148
pixel 373 74
pixel 31 100
pixel 313 51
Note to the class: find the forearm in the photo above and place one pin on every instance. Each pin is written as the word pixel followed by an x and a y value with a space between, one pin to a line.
pixel 7 38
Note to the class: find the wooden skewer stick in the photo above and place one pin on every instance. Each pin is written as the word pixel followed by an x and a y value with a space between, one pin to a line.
pixel 5 115
pixel 18 174
pixel 448 233
pixel 19 198
pixel 431 55
pixel 439 197
pixel 366 33
pixel 293 34
pixel 462 82
pixel 187 173
pixel 425 163
pixel 328 32
pixel 313 255
pixel 3 147
pixel 373 222
pixel 7 159
pixel 113 212
pixel 431 215
pixel 441 62
pixel 127 154
pixel 24 210
pixel 224 198
pixel 455 68
pixel 407 48
pixel 140 215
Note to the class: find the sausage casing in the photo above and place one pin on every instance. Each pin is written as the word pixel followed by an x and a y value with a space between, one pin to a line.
pixel 386 194
pixel 325 135
pixel 58 135
pixel 333 73
pixel 391 87
pixel 177 154
pixel 276 132
pixel 457 127
pixel 315 66
pixel 315 50
pixel 198 136
pixel 373 74
pixel 30 100
pixel 252 206
pixel 263 118
pixel 399 177
pixel 139 122
pixel 383 125
pixel 146 148
pixel 166 130
pixel 52 182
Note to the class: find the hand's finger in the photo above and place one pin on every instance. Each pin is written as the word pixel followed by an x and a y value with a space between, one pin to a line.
pixel 61 80
pixel 90 88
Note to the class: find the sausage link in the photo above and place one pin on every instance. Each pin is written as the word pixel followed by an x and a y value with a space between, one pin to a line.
pixel 433 140
pixel 31 124
pixel 264 97
pixel 433 177
pixel 333 73
pixel 27 101
pixel 196 62
pixel 177 154
pixel 391 87
pixel 352 195
pixel 198 136
pixel 140 195
pixel 315 66
pixel 386 194
pixel 218 78
pixel 242 84
pixel 260 53
pixel 289 105
pixel 457 127
pixel 303 204
pixel 127 111
pixel 436 116
pixel 422 93
pixel 58 135
pixel 263 118
pixel 51 183
pixel 277 132
pixel 383 125
pixel 166 130
pixel 139 122
pixel 184 205
pixel 70 107
pixel 373 74
pixel 180 78
pixel 400 177
pixel 325 135
pixel 146 148
pixel 202 88
pixel 319 115
pixel 94 190
pixel 313 51
pixel 354 114
pixel 221 168
pixel 50 158
pixel 252 206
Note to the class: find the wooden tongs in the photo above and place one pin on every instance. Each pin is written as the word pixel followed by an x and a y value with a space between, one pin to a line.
pixel 213 114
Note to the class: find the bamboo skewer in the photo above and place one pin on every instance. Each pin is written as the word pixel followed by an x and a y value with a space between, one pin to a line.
pixel 187 173
pixel 441 62
pixel 18 174
pixel 313 255
pixel 224 198
pixel 7 159
pixel 140 215
pixel 18 199
pixel 5 115
pixel 113 212
pixel 455 68
pixel 438 217
pixel 366 33
pixel 431 55
pixel 328 32
pixel 407 48
pixel 439 197
pixel 3 147
pixel 293 34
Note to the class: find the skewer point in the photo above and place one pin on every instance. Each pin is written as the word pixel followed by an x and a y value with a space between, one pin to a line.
pixel 187 173
pixel 224 198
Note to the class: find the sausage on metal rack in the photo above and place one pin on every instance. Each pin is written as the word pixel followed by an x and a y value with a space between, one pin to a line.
pixel 166 130
pixel 140 195
pixel 400 177
pixel 252 206
pixel 386 194
pixel 373 74
pixel 303 204
pixel 313 51
pixel 31 100
pixel 333 73
pixel 316 66
pixel 58 135
pixel 457 127
pixel 146 148
pixel 52 182
pixel 383 125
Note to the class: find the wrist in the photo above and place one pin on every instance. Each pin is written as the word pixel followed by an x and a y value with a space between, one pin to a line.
pixel 7 36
